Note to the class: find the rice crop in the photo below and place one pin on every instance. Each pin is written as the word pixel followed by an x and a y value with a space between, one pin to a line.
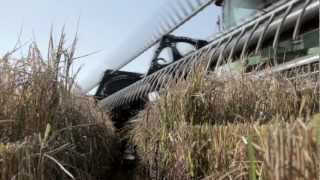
pixel 231 127
pixel 46 131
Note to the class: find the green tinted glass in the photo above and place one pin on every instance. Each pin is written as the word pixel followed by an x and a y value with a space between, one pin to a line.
pixel 236 11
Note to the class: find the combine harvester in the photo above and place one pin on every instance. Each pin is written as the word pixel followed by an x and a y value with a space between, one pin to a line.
pixel 283 34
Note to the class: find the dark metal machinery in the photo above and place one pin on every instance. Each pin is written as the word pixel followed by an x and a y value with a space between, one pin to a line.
pixel 170 41
pixel 114 81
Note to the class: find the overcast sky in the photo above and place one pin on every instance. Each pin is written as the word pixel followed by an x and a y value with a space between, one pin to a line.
pixel 102 24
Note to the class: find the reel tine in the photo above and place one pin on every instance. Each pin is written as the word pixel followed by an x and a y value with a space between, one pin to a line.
pixel 141 88
pixel 204 53
pixel 190 5
pixel 163 28
pixel 261 38
pixel 171 15
pixel 181 68
pixel 164 25
pixel 154 37
pixel 128 94
pixel 149 80
pixel 167 77
pixel 168 22
pixel 185 65
pixel 146 82
pixel 114 100
pixel 153 80
pixel 123 98
pixel 177 67
pixel 159 75
pixel 183 8
pixel 220 58
pixel 277 36
pixel 212 54
pixel 236 44
pixel 244 49
pixel 136 89
pixel 193 64
pixel 299 20
pixel 132 92
pixel 176 12
pixel 135 94
pixel 158 32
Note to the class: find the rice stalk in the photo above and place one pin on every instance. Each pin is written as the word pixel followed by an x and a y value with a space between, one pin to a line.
pixel 46 132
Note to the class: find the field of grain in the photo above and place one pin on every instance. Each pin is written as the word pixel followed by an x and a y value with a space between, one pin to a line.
pixel 235 127
pixel 46 132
